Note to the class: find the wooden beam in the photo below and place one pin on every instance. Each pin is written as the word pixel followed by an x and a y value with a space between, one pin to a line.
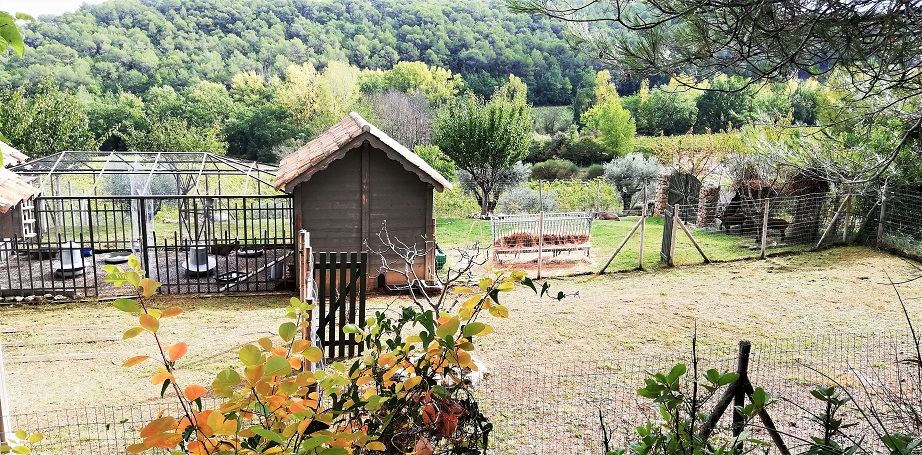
pixel 623 242
pixel 832 222
pixel 694 242
pixel 764 229
pixel 366 194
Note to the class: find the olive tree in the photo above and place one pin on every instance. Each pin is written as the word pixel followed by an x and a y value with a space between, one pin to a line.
pixel 630 174
pixel 486 138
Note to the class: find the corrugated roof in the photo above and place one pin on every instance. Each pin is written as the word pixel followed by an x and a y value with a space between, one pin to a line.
pixel 11 156
pixel 13 190
pixel 333 144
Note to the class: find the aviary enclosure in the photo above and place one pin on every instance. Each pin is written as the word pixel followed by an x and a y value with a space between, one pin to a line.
pixel 199 222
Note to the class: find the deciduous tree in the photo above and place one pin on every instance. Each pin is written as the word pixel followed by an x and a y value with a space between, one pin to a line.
pixel 485 138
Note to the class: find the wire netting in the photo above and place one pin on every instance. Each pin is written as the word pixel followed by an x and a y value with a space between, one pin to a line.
pixel 554 408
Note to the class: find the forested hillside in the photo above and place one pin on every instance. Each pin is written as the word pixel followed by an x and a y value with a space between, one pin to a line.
pixel 132 45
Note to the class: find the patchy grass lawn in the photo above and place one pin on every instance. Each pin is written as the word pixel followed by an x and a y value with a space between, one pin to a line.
pixel 605 237
pixel 69 355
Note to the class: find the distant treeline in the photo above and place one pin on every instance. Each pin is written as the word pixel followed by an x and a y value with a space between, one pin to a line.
pixel 135 45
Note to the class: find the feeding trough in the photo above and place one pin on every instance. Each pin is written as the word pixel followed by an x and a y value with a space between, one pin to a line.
pixel 250 253
pixel 229 277
pixel 199 263
pixel 70 263
pixel 117 257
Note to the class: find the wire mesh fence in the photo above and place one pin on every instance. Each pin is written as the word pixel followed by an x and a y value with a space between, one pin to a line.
pixel 555 409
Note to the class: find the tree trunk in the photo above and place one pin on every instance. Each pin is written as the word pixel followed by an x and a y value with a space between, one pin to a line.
pixel 626 196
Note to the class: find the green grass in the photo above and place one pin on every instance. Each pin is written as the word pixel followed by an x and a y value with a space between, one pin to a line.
pixel 607 235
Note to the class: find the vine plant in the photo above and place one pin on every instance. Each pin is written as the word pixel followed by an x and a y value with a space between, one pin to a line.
pixel 404 394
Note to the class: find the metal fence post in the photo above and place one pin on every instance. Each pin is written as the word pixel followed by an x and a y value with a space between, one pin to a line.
pixel 142 209
pixel 4 402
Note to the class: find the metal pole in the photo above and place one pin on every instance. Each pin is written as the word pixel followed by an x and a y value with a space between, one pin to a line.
pixel 4 402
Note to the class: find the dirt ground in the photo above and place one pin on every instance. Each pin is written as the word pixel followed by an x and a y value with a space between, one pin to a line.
pixel 69 355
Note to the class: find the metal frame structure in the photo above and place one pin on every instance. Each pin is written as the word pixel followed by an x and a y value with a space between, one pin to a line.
pixel 186 167
pixel 160 206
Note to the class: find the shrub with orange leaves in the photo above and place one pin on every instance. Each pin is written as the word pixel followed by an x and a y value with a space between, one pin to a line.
pixel 401 395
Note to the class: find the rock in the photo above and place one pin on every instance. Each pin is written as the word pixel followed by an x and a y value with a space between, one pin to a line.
pixel 60 297
pixel 19 298
pixel 48 297
pixel 607 216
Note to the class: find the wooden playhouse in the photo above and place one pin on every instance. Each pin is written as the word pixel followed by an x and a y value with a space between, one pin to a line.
pixel 351 180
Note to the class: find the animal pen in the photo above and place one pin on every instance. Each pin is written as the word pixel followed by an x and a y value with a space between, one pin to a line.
pixel 199 222
pixel 541 233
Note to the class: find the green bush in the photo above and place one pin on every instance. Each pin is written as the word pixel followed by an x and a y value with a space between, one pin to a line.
pixel 593 172
pixel 554 170
pixel 585 151
pixel 454 203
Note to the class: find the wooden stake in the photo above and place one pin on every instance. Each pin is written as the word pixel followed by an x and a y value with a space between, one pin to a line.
pixel 764 230
pixel 845 223
pixel 643 228
pixel 540 239
pixel 694 242
pixel 883 215
pixel 623 242
pixel 832 222
pixel 675 224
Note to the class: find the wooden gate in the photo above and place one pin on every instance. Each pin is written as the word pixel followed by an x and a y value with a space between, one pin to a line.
pixel 340 279
pixel 665 253
pixel 684 190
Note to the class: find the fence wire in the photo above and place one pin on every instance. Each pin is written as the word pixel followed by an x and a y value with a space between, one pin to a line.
pixel 554 409
pixel 537 412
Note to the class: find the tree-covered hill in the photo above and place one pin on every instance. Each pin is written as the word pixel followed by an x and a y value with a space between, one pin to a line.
pixel 134 45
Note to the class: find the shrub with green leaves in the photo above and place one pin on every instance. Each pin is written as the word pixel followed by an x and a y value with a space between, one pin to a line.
pixel 523 199
pixel 554 170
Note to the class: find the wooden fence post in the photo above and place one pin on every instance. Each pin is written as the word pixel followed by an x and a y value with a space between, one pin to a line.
pixel 4 402
pixel 540 240
pixel 883 215
pixel 675 226
pixel 643 228
pixel 739 399
pixel 764 229
pixel 832 222
pixel 846 221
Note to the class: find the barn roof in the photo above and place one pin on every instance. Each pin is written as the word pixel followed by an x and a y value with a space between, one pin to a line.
pixel 333 144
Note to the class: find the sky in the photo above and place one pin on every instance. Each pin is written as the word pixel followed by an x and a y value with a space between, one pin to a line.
pixel 40 7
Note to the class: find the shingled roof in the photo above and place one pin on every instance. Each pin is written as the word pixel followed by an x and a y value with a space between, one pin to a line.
pixel 11 156
pixel 13 188
pixel 333 144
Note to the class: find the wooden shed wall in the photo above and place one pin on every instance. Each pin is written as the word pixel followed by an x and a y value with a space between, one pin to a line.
pixel 11 223
pixel 331 207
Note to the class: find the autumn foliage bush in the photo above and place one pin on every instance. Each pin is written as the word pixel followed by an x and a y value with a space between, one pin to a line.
pixel 404 394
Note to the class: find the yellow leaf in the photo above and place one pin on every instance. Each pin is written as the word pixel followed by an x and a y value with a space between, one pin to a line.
pixel 464 290
pixel 299 345
pixel 499 311
pixel 194 392
pixel 148 286
pixel 363 380
pixel 313 354
pixel 171 311
pixel 376 445
pixel 265 343
pixel 177 351
pixel 135 360
pixel 136 448
pixel 485 283
pixel 412 382
pixel 505 287
pixel 150 323
pixel 133 261
pixel 159 426
pixel 449 327
pixel 132 332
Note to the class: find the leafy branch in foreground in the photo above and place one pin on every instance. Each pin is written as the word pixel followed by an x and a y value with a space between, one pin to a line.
pixel 405 393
